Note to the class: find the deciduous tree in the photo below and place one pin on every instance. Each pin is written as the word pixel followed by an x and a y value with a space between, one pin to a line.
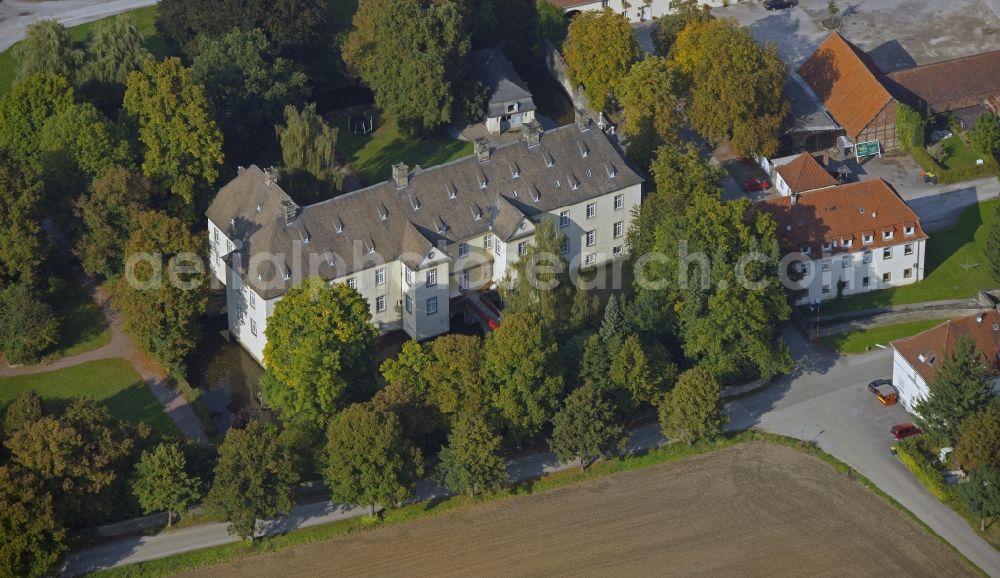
pixel 25 110
pixel 521 370
pixel 693 410
pixel 410 367
pixel 539 280
pixel 182 144
pixel 599 52
pixel 23 248
pixel 470 463
pixel 985 134
pixel 958 390
pixel 454 377
pixel 736 86
pixel 319 352
pixel 586 427
pixel 81 456
pixel 648 95
pixel 163 289
pixel 27 324
pixel 412 55
pixel 255 478
pixel 551 21
pixel 114 50
pixel 979 443
pixel 632 374
pixel 161 481
pixel 31 537
pixel 248 84
pixel 45 49
pixel 26 409
pixel 308 146
pixel 107 213
pixel 993 245
pixel 681 14
pixel 981 494
pixel 368 461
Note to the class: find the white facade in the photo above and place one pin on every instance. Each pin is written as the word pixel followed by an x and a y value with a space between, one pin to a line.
pixel 862 270
pixel 911 385
pixel 513 120
pixel 417 300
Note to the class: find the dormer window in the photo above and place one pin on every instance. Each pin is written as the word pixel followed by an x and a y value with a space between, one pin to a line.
pixel 611 170
pixel 804 249
pixel 826 247
pixel 549 161
pixel 515 171
pixel 868 238
pixel 583 149
pixel 512 107
pixel 887 234
pixel 339 226
pixel 482 179
pixel 847 243
pixel 908 230
pixel 383 213
pixel 258 208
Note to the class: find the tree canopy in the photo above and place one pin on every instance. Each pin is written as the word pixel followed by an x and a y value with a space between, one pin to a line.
pixel 470 463
pixel 25 110
pixel 23 247
pixel 681 14
pixel 693 410
pixel 46 49
pixel 368 460
pixel 539 283
pixel 981 493
pixel 308 146
pixel 736 86
pixel 114 50
pixel 164 289
pixel 107 214
pixel 412 56
pixel 958 390
pixel 521 370
pixel 27 324
pixel 599 52
pixel 985 134
pixel 255 478
pixel 319 352
pixel 653 112
pixel 31 537
pixel 993 245
pixel 979 442
pixel 162 482
pixel 453 374
pixel 182 144
pixel 586 427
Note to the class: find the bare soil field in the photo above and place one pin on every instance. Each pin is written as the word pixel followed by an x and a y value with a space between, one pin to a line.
pixel 753 510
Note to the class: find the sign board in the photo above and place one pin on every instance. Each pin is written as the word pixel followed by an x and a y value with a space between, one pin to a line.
pixel 867 149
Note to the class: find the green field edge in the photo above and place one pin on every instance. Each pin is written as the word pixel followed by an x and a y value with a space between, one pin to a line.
pixel 665 454
pixel 854 342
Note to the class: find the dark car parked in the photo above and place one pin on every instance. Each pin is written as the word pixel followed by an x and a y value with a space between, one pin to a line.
pixel 873 386
pixel 780 4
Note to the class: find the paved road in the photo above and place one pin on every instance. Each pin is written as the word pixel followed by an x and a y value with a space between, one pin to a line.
pixel 16 15
pixel 825 399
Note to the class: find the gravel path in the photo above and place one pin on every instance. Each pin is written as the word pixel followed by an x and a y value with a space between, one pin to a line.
pixel 120 345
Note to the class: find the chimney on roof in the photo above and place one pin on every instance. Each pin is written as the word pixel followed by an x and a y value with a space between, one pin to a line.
pixel 532 132
pixel 401 174
pixel 980 317
pixel 482 148
pixel 240 169
pixel 270 176
pixel 582 119
pixel 290 210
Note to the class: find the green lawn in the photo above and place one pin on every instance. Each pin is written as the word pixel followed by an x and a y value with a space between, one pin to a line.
pixel 959 154
pixel 373 155
pixel 82 326
pixel 145 20
pixel 956 266
pixel 861 341
pixel 111 382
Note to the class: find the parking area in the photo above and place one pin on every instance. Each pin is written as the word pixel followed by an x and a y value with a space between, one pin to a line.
pixel 896 34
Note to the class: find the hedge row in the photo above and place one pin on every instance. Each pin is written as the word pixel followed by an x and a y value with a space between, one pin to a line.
pixel 948 176
pixel 913 457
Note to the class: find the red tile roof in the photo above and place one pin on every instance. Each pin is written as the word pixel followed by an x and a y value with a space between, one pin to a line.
pixel 846 81
pixel 951 84
pixel 845 213
pixel 804 173
pixel 925 351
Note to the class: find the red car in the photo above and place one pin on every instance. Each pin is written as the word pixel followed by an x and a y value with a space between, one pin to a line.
pixel 904 430
pixel 754 184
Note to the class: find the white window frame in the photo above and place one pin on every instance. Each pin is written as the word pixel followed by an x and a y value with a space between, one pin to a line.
pixel 590 259
pixel 522 248
pixel 887 277
pixel 497 247
pixel 868 239
pixel 827 265
pixel 488 242
pixel 252 298
pixel 253 327
pixel 380 276
pixel 351 283
pixel 846 262
pixel 431 306
pixel 866 257
pixel 591 210
pixel 619 202
pixel 563 219
pixel 886 235
pixel 908 249
pixel 908 273
pixel 431 279
pixel 409 304
pixel 591 238
pixel 463 280
pixel 886 253
pixel 908 231
pixel 617 250
pixel 463 249
pixel 407 275
pixel 618 229
pixel 380 304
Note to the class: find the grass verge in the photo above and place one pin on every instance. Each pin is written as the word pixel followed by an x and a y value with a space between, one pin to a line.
pixel 82 326
pixel 372 156
pixel 956 266
pixel 112 383
pixel 211 556
pixel 145 21
pixel 864 339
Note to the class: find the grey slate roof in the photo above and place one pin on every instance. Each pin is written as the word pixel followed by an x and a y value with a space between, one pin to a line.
pixel 517 182
pixel 504 85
